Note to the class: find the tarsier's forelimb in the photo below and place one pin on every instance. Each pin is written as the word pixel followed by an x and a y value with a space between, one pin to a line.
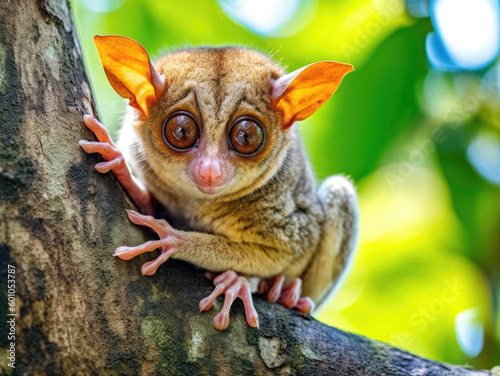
pixel 115 162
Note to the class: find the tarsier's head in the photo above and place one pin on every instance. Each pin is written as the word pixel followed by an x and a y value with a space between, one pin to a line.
pixel 214 121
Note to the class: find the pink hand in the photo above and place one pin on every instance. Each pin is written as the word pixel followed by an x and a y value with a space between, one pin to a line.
pixel 288 295
pixel 169 240
pixel 115 162
pixel 233 286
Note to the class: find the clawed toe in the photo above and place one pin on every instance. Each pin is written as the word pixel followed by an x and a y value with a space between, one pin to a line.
pixel 305 305
pixel 288 295
pixel 233 286
pixel 275 292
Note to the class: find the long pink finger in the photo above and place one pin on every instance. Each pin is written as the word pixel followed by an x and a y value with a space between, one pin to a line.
pixel 274 294
pixel 221 321
pixel 106 150
pixel 161 228
pixel 250 313
pixel 291 293
pixel 228 277
pixel 150 267
pixel 126 253
pixel 210 275
pixel 97 128
pixel 263 286
pixel 222 283
pixel 104 167
pixel 208 302
pixel 305 305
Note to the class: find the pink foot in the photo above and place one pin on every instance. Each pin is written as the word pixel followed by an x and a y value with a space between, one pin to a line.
pixel 169 240
pixel 288 295
pixel 233 286
pixel 114 162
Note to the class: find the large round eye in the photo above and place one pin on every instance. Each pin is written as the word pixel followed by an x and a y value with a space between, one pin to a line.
pixel 181 131
pixel 246 135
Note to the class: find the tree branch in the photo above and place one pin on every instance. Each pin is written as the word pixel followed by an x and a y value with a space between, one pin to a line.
pixel 81 311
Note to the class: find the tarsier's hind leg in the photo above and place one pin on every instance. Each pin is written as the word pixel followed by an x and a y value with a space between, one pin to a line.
pixel 338 198
pixel 290 294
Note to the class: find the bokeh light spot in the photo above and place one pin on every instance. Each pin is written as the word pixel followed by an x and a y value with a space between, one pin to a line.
pixel 484 154
pixel 270 17
pixel 468 30
pixel 470 332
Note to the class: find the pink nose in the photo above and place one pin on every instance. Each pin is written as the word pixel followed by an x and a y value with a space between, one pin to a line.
pixel 209 171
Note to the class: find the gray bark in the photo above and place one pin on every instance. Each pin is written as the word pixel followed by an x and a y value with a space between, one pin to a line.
pixel 81 311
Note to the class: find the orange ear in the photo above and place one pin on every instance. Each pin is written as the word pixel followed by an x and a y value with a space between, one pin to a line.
pixel 129 70
pixel 299 94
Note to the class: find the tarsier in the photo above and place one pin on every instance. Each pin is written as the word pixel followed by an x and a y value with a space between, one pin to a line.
pixel 208 136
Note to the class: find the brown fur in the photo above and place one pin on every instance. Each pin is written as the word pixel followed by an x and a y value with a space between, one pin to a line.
pixel 269 219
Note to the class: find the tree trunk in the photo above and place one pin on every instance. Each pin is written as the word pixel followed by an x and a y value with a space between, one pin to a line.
pixel 77 309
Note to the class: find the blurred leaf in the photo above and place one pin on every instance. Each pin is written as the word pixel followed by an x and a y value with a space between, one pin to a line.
pixel 468 190
pixel 373 106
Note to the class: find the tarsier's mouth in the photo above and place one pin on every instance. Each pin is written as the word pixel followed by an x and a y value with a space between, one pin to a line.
pixel 211 189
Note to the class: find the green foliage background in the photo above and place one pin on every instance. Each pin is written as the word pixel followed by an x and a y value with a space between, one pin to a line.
pixel 430 223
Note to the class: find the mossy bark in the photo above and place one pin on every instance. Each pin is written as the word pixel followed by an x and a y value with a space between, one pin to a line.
pixel 81 311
